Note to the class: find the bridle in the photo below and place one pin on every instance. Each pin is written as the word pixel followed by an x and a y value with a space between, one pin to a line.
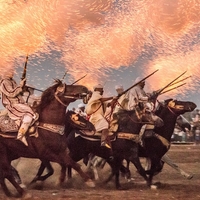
pixel 171 105
pixel 61 89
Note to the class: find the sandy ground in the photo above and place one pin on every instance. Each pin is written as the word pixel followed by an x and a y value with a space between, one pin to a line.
pixel 171 186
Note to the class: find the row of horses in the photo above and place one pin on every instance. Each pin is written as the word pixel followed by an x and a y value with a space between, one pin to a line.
pixel 56 127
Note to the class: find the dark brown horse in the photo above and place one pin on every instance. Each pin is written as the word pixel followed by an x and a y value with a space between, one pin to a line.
pixel 50 144
pixel 157 141
pixel 81 146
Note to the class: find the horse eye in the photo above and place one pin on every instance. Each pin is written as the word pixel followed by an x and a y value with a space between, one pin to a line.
pixel 75 117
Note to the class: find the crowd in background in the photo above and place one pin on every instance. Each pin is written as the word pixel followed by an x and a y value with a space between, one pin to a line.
pixel 192 135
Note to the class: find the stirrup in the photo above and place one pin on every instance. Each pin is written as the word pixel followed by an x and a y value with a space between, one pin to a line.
pixel 34 119
pixel 22 138
pixel 104 144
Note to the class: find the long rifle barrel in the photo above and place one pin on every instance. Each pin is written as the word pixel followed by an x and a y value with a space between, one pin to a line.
pixel 125 91
pixel 79 79
pixel 172 88
pixel 25 68
pixel 169 84
pixel 180 80
pixel 35 89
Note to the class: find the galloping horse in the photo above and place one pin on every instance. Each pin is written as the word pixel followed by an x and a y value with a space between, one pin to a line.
pixel 121 147
pixel 49 142
pixel 72 121
pixel 81 145
pixel 157 142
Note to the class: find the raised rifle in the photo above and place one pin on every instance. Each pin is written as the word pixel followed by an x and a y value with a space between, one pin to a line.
pixel 170 84
pixel 25 68
pixel 79 79
pixel 172 88
pixel 125 91
pixel 180 81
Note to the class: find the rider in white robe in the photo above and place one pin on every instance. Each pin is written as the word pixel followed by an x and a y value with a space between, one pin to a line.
pixel 96 109
pixel 12 100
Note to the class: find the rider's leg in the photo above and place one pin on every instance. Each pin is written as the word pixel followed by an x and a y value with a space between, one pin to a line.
pixel 27 120
pixel 104 138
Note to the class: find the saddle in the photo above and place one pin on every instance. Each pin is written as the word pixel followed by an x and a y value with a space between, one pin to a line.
pixel 9 128
pixel 7 124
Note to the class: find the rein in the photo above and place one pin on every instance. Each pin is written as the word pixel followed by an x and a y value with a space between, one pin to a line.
pixel 58 99
pixel 171 111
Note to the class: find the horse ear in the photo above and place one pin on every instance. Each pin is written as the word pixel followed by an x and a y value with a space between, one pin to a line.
pixel 61 88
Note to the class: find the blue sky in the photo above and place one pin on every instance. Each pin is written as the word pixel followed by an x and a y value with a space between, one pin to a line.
pixel 42 75
pixel 113 42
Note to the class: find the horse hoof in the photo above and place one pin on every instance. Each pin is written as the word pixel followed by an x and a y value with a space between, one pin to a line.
pixel 130 180
pixel 154 187
pixel 189 176
pixel 90 183
pixel 27 196
pixel 22 185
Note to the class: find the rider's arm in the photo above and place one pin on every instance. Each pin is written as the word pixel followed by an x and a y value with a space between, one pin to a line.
pixel 7 88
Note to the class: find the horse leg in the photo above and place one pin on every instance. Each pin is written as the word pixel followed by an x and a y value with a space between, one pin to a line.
pixel 167 160
pixel 93 163
pixel 5 188
pixel 115 165
pixel 39 177
pixel 77 167
pixel 69 172
pixel 125 171
pixel 156 167
pixel 62 174
pixel 112 173
pixel 9 176
pixel 134 158
pixel 20 190
pixel 16 175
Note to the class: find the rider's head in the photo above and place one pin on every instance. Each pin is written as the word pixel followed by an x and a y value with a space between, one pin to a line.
pixel 119 89
pixel 99 88
pixel 141 84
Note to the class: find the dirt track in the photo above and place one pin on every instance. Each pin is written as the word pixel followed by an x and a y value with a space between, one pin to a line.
pixel 172 184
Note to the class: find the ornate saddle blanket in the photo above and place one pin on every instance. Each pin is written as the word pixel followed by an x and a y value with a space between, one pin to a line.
pixel 9 129
pixel 7 124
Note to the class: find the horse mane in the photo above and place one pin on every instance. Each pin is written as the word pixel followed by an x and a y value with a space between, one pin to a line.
pixel 123 115
pixel 48 95
pixel 161 105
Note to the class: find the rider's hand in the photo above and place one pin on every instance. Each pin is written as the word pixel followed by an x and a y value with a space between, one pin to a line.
pixel 114 101
pixel 25 88
pixel 153 96
pixel 22 83
pixel 115 98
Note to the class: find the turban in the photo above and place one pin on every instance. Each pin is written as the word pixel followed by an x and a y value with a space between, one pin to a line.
pixel 98 86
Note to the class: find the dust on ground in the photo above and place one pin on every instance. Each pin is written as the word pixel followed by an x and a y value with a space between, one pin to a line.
pixel 171 185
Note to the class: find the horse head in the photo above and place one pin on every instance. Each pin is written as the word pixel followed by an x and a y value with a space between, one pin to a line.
pixel 62 93
pixel 147 116
pixel 78 122
pixel 179 107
